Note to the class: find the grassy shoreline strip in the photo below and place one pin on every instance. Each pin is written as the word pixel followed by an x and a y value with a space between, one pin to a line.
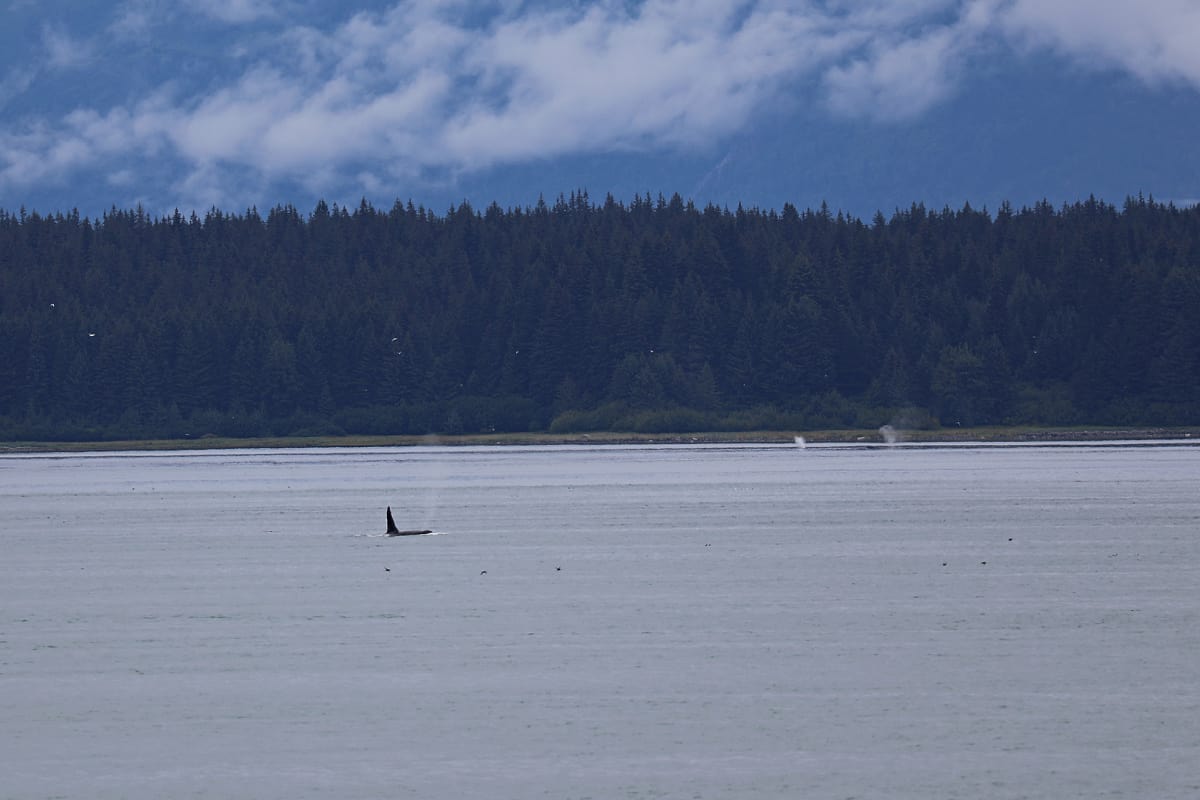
pixel 944 435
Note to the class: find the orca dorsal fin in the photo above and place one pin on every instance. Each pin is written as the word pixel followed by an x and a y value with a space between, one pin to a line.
pixel 391 529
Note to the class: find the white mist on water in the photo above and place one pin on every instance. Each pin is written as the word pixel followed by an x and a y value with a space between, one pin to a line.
pixel 712 621
pixel 890 435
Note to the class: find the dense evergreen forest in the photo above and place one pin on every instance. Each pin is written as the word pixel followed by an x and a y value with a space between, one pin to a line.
pixel 649 316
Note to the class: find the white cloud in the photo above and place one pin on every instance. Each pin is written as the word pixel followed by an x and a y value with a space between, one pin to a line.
pixel 895 82
pixel 122 177
pixel 674 75
pixel 904 70
pixel 15 83
pixel 234 11
pixel 38 154
pixel 1155 40
pixel 414 90
pixel 62 50
pixel 133 20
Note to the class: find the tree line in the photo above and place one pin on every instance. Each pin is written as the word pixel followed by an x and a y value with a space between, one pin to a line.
pixel 653 315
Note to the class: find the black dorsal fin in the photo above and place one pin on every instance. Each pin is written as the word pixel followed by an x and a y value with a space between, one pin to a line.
pixel 392 529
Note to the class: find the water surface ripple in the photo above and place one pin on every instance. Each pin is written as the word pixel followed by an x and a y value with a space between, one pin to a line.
pixel 675 621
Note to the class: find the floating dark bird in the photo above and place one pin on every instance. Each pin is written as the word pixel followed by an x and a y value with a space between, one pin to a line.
pixel 392 530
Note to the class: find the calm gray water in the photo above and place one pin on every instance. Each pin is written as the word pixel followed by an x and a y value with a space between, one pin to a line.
pixel 693 622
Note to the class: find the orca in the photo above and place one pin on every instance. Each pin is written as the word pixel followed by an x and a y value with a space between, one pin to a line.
pixel 392 530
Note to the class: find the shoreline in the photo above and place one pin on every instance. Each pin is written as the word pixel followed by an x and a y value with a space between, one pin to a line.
pixel 841 436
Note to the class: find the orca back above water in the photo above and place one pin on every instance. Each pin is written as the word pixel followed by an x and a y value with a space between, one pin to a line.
pixel 392 530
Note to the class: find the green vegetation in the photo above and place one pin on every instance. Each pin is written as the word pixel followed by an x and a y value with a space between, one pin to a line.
pixel 653 318
pixel 845 436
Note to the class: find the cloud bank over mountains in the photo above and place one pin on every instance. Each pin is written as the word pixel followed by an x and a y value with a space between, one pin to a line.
pixel 239 96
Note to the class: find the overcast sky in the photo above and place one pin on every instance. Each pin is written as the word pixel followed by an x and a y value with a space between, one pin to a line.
pixel 197 103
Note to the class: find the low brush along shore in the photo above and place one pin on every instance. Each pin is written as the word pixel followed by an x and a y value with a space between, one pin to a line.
pixel 946 435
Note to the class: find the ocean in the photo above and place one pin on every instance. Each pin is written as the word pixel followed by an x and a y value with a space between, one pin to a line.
pixel 908 621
